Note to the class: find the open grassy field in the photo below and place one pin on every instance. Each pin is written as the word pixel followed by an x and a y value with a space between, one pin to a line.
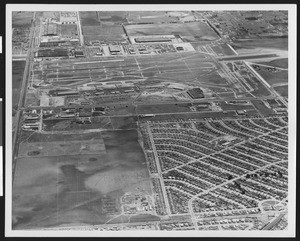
pixel 73 189
pixel 281 63
pixel 89 18
pixel 17 77
pixel 103 29
pixel 274 43
pixel 150 17
pixel 163 108
pixel 227 107
pixel 261 107
pixel 103 32
pixel 223 49
pixel 98 122
pixel 113 16
pixel 273 78
pixel 193 31
pixel 282 90
pixel 58 148
pixel 69 29
pixel 21 18
pixel 105 38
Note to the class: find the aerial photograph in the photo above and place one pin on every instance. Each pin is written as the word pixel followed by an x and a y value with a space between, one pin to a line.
pixel 150 120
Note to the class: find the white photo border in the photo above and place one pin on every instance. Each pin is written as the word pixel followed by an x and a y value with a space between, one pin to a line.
pixel 292 48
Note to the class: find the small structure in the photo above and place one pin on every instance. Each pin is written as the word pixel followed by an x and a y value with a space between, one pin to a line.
pixel 78 53
pixel 114 49
pixel 241 112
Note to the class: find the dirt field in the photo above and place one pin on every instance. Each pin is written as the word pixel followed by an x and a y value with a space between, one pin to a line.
pixel 73 189
pixel 194 31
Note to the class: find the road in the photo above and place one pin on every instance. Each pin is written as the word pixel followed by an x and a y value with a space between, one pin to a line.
pixel 79 29
pixel 159 174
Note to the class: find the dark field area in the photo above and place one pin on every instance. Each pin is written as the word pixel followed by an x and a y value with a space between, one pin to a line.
pixel 223 49
pixel 273 77
pixel 227 107
pixel 17 77
pixel 276 43
pixel 21 19
pixel 103 29
pixel 150 17
pixel 163 108
pixel 89 18
pixel 113 16
pixel 281 63
pixel 282 90
pixel 106 38
pixel 69 29
pixel 261 107
pixel 78 189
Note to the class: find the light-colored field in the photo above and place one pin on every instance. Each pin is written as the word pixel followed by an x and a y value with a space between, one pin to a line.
pixel 190 31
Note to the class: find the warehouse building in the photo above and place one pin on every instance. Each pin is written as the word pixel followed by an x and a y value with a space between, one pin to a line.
pixel 195 93
pixel 152 39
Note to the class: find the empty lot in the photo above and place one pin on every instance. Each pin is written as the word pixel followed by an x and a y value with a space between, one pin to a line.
pixel 73 189
pixel 194 31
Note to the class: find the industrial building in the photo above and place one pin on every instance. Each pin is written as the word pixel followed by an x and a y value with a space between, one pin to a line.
pixel 195 93
pixel 79 53
pixel 114 49
pixel 67 92
pixel 152 39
